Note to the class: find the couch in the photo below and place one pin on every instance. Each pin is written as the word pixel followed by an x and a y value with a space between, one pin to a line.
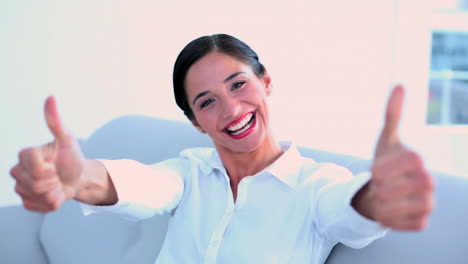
pixel 66 236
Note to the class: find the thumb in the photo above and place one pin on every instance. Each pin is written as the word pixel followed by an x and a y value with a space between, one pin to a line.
pixel 389 136
pixel 53 121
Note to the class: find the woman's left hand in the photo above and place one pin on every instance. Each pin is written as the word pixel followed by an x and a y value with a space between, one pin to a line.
pixel 400 193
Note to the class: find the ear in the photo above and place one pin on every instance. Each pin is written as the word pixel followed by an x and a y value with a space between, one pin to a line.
pixel 197 126
pixel 267 81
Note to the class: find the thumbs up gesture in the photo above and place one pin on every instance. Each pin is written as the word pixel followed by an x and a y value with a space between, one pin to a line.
pixel 48 175
pixel 400 193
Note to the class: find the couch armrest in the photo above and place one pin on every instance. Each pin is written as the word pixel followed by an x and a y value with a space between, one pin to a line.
pixel 19 236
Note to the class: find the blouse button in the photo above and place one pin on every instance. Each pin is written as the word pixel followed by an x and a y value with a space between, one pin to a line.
pixel 215 243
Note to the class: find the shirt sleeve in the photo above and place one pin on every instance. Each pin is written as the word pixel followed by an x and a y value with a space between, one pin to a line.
pixel 336 218
pixel 143 190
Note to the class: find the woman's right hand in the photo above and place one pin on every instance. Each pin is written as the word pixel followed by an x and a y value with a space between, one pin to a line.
pixel 48 175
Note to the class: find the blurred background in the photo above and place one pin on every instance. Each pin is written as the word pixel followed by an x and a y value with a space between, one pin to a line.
pixel 332 63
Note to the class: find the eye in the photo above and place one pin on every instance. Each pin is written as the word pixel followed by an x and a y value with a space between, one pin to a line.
pixel 237 85
pixel 206 103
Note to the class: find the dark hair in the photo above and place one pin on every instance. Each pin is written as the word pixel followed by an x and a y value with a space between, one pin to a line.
pixel 200 47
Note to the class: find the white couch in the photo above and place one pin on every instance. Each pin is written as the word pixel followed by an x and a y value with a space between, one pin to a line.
pixel 68 237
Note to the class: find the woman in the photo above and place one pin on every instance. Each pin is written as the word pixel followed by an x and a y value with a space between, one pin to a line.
pixel 249 200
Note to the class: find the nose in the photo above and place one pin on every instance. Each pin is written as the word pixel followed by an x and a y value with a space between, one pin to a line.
pixel 231 107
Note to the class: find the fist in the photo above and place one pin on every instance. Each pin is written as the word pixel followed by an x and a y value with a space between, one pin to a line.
pixel 48 175
pixel 400 193
pixel 402 190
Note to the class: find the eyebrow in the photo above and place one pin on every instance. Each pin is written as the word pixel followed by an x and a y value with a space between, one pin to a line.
pixel 230 77
pixel 200 95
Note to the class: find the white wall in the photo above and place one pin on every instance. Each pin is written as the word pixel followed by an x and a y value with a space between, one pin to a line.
pixel 331 63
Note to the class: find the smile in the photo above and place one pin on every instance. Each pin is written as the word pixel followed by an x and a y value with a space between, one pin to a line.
pixel 241 128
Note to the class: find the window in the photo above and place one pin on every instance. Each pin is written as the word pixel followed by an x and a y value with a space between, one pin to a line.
pixel 448 84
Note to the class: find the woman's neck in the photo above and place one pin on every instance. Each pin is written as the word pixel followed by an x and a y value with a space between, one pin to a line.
pixel 240 165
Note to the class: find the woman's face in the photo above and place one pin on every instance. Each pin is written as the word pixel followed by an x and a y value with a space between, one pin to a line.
pixel 228 101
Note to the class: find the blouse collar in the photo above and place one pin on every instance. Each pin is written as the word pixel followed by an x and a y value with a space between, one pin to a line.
pixel 286 168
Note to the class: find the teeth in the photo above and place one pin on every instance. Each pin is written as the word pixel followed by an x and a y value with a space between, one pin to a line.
pixel 242 123
pixel 241 131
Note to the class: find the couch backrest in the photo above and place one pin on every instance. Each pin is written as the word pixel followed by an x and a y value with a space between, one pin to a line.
pixel 69 237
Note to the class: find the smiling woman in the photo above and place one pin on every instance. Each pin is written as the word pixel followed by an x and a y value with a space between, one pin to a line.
pixel 250 199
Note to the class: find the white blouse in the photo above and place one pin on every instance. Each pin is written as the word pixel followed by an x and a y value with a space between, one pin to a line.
pixel 294 211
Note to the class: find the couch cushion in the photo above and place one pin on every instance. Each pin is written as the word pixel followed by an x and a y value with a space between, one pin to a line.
pixel 352 163
pixel 142 138
pixel 19 236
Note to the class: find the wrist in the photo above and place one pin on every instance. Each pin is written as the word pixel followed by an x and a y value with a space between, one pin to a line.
pixel 362 201
pixel 95 185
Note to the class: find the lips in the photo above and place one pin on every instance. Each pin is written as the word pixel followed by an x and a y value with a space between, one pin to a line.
pixel 242 126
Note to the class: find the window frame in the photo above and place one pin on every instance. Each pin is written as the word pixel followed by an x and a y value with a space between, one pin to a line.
pixel 447 21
